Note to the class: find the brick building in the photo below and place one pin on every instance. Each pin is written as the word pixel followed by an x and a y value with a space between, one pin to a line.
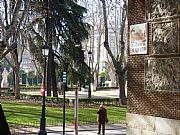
pixel 154 68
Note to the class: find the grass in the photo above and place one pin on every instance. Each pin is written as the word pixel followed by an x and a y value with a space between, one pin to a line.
pixel 29 114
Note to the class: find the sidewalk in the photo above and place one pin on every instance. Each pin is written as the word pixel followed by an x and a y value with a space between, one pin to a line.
pixel 115 129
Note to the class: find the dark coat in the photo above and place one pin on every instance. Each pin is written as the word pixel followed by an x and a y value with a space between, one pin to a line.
pixel 4 128
pixel 102 115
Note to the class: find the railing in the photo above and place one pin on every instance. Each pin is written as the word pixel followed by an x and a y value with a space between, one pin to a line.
pixel 33 126
pixel 84 121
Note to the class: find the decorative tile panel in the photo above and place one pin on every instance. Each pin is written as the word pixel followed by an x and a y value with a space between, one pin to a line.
pixel 162 74
pixel 165 38
pixel 162 8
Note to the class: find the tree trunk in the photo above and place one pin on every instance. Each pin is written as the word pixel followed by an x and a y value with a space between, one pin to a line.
pixel 49 73
pixel 121 81
pixel 47 22
pixel 17 90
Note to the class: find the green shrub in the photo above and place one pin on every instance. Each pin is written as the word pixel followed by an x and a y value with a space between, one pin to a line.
pixel 106 88
pixel 55 100
pixel 5 94
pixel 97 101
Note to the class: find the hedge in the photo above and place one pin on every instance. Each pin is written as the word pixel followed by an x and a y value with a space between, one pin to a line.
pixel 59 101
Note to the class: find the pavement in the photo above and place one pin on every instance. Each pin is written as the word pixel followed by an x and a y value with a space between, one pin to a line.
pixel 115 129
pixel 113 93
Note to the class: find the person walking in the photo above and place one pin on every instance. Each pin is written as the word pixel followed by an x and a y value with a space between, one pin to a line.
pixel 102 119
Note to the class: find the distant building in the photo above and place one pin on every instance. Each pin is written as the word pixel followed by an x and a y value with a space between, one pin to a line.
pixel 27 64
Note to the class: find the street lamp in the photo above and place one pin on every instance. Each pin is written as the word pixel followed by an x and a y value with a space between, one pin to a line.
pixel 45 51
pixel 64 88
pixel 89 90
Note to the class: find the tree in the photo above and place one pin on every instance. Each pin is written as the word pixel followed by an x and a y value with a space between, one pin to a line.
pixel 23 24
pixel 31 76
pixel 94 43
pixel 119 62
pixel 113 17
pixel 102 78
pixel 69 30
pixel 15 24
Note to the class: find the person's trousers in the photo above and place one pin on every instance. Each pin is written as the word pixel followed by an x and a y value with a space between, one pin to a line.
pixel 103 127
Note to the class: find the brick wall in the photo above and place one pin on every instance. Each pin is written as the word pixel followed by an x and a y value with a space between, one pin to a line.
pixel 147 102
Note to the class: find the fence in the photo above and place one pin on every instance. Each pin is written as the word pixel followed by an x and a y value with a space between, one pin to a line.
pixel 31 128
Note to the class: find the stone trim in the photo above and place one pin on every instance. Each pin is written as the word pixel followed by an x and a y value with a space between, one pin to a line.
pixel 148 125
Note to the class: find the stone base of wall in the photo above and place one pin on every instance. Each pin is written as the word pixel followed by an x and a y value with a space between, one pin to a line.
pixel 148 125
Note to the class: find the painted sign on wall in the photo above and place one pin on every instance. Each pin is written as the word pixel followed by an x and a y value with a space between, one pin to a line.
pixel 138 39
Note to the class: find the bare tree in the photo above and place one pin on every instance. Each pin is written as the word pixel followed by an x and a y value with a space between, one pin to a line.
pixel 119 62
pixel 112 15
pixel 12 22
pixel 16 21
pixel 94 17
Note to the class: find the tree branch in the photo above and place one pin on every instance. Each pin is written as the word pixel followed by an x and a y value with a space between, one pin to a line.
pixel 106 44
pixel 12 47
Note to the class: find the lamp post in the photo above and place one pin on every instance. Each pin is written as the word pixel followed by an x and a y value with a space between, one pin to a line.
pixel 89 90
pixel 64 86
pixel 42 131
